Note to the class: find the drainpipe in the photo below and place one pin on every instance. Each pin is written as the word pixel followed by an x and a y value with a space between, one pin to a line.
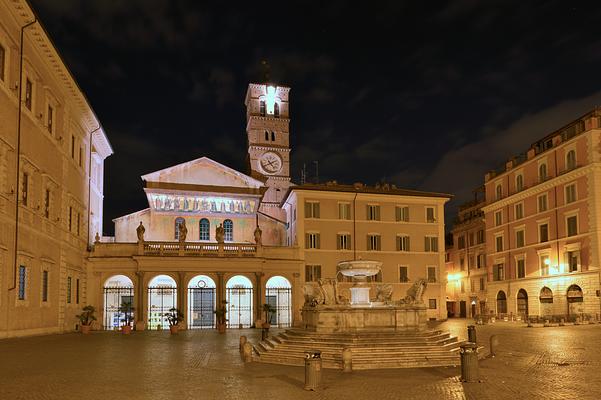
pixel 18 152
pixel 556 211
pixel 354 228
pixel 90 184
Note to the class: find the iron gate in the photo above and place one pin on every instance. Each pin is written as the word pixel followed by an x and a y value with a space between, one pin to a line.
pixel 201 307
pixel 113 298
pixel 239 307
pixel 281 300
pixel 160 300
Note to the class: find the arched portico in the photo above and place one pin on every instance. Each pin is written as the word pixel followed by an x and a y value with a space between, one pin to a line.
pixel 239 296
pixel 501 303
pixel 522 303
pixel 162 296
pixel 201 302
pixel 575 299
pixel 117 289
pixel 278 293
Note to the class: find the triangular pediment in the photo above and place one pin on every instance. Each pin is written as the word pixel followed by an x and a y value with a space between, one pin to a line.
pixel 204 172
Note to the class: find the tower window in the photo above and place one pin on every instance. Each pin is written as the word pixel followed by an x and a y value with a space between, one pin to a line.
pixel 28 93
pixel 22 281
pixel 2 62
pixel 262 108
pixel 272 136
pixel 178 221
pixel 204 228
pixel 276 110
pixel 228 230
pixel 266 136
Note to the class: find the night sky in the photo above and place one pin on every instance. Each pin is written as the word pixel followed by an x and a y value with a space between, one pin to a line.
pixel 426 95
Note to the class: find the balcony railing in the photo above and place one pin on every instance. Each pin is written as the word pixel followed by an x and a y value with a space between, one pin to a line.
pixel 199 249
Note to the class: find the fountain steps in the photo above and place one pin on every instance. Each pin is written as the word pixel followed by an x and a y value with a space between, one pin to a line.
pixel 370 350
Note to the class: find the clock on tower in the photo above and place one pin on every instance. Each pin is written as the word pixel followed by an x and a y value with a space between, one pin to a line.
pixel 267 128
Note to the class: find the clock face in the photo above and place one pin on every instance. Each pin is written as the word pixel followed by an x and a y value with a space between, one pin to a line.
pixel 270 163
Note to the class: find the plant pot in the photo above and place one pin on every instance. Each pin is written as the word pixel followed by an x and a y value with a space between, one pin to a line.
pixel 85 329
pixel 265 325
pixel 173 329
pixel 221 328
pixel 126 329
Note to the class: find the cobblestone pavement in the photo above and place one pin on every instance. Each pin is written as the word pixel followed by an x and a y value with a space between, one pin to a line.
pixel 532 363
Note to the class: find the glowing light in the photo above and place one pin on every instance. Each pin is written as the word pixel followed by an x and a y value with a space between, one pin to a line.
pixel 547 261
pixel 453 277
pixel 270 99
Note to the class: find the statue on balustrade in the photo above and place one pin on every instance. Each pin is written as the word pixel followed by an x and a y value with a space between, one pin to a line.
pixel 219 234
pixel 258 236
pixel 140 232
pixel 183 231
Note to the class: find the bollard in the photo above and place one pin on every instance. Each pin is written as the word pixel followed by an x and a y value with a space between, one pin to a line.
pixel 312 369
pixel 469 362
pixel 577 321
pixel 347 360
pixel 471 333
pixel 546 324
pixel 247 352
pixel 494 342
pixel 264 333
pixel 242 342
pixel 562 322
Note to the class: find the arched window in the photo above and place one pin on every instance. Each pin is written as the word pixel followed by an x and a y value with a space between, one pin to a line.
pixel 501 303
pixel 519 183
pixel 204 228
pixel 499 192
pixel 272 136
pixel 571 159
pixel 228 230
pixel 276 110
pixel 262 108
pixel 178 221
pixel 542 172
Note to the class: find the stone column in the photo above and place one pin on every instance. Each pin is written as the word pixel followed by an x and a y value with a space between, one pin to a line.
pixel 258 295
pixel 182 298
pixel 219 290
pixel 140 302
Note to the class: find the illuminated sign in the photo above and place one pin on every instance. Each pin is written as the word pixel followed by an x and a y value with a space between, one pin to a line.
pixel 198 204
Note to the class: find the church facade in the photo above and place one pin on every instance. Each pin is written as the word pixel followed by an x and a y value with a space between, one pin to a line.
pixel 214 236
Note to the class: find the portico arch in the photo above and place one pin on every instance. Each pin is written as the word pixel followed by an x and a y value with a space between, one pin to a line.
pixel 239 295
pixel 278 293
pixel 201 302
pixel 522 303
pixel 501 303
pixel 162 296
pixel 117 289
pixel 575 299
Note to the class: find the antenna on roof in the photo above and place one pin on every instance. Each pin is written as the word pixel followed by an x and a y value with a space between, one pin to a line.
pixel 316 171
pixel 266 70
pixel 303 174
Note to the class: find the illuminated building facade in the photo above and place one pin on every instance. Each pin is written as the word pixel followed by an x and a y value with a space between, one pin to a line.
pixel 542 226
pixel 52 152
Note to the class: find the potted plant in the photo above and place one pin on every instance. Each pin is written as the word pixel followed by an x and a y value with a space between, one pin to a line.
pixel 86 318
pixel 127 310
pixel 174 317
pixel 268 309
pixel 220 315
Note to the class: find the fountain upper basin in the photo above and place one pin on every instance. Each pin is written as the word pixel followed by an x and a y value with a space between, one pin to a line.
pixel 359 268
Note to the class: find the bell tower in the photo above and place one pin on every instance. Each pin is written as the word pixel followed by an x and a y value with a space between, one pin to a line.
pixel 267 128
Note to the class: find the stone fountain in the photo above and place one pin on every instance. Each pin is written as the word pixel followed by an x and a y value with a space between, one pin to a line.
pixel 359 271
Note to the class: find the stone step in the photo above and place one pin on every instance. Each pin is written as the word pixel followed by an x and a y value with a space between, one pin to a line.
pixel 414 362
pixel 374 343
pixel 367 335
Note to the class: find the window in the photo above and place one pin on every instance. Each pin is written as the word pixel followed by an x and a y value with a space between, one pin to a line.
pixel 76 291
pixel 571 160
pixel 70 218
pixel 178 221
pixel 312 241
pixel 2 62
pixel 373 212
pixel 403 243
pixel 498 218
pixel 481 261
pixel 430 215
pixel 570 193
pixel 572 225
pixel 543 233
pixel 498 272
pixel 462 286
pixel 73 147
pixel 375 278
pixel 432 274
pixel 542 203
pixel 272 136
pixel 519 211
pixel 519 238
pixel 462 263
pixel 403 274
pixel 544 264
pixel 498 192
pixel 262 108
pixel 402 213
pixel 228 230
pixel 374 242
pixel 344 211
pixel 472 285
pixel 573 260
pixel 276 110
pixel 44 286
pixel 499 243
pixel 521 268
pixel 69 289
pixel 480 236
pixel 80 156
pixel 28 93
pixel 50 118
pixel 343 241
pixel 481 284
pixel 542 172
pixel 519 183
pixel 312 273
pixel 204 229
pixel 78 222
pixel 431 244
pixel 25 191
pixel 432 304
pixel 47 204
pixel 311 209
pixel 266 136
pixel 471 238
pixel 22 282
pixel 461 242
